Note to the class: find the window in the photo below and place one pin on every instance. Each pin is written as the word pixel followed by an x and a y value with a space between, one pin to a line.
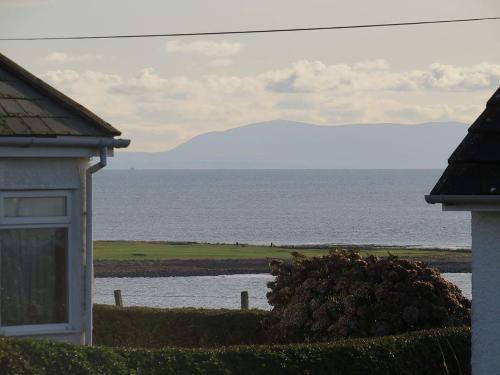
pixel 35 206
pixel 34 258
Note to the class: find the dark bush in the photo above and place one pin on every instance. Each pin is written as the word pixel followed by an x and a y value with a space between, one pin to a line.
pixel 188 327
pixel 345 295
pixel 441 351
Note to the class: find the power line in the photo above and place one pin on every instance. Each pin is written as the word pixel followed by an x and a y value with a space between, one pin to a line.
pixel 262 31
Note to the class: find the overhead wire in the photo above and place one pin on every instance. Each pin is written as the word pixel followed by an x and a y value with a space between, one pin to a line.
pixel 255 31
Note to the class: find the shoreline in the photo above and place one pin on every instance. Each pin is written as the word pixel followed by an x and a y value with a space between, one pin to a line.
pixel 215 267
pixel 279 245
pixel 177 258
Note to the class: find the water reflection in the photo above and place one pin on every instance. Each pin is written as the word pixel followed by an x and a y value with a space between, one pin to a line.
pixel 205 291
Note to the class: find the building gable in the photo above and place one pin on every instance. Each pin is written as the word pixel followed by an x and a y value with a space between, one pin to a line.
pixel 474 167
pixel 31 107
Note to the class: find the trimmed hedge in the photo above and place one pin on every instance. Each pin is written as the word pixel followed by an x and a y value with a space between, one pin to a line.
pixel 442 351
pixel 188 327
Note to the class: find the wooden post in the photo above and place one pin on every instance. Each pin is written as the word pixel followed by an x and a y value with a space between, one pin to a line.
pixel 244 300
pixel 118 298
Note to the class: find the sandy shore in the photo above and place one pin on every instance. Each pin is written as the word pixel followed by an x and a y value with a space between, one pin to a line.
pixel 213 267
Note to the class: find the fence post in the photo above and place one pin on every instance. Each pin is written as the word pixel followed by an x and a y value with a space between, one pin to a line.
pixel 244 300
pixel 118 298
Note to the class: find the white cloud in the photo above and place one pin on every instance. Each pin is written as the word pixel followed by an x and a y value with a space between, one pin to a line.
pixel 205 47
pixel 162 111
pixel 61 77
pixel 314 76
pixel 64 58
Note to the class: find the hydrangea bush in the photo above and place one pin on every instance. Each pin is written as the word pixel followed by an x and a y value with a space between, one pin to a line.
pixel 345 295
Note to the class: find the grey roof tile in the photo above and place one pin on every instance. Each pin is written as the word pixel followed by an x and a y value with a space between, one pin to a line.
pixel 12 107
pixel 17 125
pixel 53 109
pixel 36 125
pixel 9 90
pixel 477 147
pixel 58 126
pixel 4 129
pixel 4 76
pixel 33 107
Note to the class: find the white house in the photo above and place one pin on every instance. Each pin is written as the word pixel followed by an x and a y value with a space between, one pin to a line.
pixel 46 144
pixel 471 182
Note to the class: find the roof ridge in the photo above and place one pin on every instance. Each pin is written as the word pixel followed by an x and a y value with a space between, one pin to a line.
pixel 57 96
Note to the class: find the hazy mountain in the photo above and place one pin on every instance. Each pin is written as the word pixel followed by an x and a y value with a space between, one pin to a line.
pixel 287 144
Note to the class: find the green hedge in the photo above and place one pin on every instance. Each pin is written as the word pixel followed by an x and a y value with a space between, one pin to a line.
pixel 188 327
pixel 443 351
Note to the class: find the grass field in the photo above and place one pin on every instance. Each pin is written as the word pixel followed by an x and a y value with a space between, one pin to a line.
pixel 127 250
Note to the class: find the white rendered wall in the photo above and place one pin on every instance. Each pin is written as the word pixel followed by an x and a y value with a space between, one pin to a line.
pixel 485 293
pixel 60 174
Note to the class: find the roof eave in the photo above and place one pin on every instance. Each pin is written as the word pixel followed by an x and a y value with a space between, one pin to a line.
pixel 463 199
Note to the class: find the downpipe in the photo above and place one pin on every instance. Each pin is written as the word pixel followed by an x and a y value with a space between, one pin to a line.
pixel 89 261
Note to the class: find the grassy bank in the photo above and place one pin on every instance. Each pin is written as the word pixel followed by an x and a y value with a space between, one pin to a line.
pixel 135 250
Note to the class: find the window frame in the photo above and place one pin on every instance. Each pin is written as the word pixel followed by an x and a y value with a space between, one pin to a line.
pixel 70 326
pixel 35 219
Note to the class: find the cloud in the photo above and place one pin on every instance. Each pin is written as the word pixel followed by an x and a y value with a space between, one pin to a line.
pixel 61 77
pixel 204 47
pixel 313 76
pixel 448 77
pixel 162 110
pixel 64 58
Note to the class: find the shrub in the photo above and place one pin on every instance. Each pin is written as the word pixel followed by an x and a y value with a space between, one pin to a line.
pixel 344 295
pixel 188 327
pixel 442 351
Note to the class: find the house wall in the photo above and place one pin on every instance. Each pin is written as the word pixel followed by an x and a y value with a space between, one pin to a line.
pixel 60 174
pixel 486 292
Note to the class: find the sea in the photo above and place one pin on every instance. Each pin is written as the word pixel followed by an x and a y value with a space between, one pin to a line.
pixel 382 207
pixel 215 292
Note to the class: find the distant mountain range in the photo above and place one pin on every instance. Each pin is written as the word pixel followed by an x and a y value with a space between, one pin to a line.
pixel 293 145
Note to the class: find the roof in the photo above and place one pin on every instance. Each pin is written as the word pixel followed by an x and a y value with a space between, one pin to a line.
pixel 474 167
pixel 31 107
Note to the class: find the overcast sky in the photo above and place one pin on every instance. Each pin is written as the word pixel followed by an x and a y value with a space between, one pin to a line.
pixel 161 92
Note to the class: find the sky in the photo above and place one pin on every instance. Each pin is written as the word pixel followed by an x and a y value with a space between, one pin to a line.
pixel 161 92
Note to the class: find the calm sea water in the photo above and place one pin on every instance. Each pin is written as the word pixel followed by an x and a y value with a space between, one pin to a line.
pixel 281 206
pixel 205 291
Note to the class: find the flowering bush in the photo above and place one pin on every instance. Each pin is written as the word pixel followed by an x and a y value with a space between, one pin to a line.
pixel 345 295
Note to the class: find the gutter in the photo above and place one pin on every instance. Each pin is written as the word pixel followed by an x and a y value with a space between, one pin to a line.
pixel 463 199
pixel 64 141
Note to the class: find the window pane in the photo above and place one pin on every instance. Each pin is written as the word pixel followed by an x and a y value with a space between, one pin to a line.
pixel 34 206
pixel 33 282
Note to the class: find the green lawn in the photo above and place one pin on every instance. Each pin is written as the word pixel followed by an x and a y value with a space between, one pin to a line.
pixel 127 250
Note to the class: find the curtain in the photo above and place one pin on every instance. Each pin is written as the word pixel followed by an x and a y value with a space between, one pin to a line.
pixel 33 276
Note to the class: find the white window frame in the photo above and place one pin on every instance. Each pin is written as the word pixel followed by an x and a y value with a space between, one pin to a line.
pixel 46 222
pixel 35 219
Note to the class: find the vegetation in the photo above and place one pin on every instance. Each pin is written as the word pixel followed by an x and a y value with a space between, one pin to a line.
pixel 344 295
pixel 443 351
pixel 132 250
pixel 188 327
